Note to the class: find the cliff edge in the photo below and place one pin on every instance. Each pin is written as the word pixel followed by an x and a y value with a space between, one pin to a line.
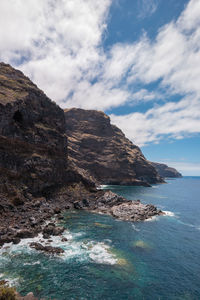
pixel 102 151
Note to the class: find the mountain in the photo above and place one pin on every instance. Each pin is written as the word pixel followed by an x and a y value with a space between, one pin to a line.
pixel 103 153
pixel 38 178
pixel 166 171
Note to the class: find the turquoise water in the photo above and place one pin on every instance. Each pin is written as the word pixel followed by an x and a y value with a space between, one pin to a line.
pixel 109 259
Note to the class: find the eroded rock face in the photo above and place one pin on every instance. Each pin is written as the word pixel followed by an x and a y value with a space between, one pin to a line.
pixel 33 145
pixel 102 151
pixel 166 171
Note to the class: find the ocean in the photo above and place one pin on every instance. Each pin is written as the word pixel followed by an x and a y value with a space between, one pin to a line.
pixel 106 258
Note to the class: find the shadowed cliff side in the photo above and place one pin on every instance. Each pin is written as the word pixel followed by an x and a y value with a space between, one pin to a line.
pixel 103 152
pixel 166 171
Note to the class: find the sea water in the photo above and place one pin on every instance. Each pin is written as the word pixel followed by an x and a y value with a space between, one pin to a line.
pixel 105 258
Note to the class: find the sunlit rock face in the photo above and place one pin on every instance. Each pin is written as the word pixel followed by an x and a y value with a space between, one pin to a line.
pixel 103 152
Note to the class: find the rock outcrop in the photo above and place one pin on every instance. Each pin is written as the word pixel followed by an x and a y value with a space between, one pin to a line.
pixel 102 152
pixel 166 171
pixel 111 204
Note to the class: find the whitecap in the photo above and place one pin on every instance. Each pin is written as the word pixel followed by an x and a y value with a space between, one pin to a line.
pixel 100 254
pixel 103 186
pixel 169 213
pixel 152 219
pixel 32 263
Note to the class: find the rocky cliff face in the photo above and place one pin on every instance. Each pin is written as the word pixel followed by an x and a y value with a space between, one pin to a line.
pixel 37 180
pixel 166 171
pixel 33 144
pixel 102 151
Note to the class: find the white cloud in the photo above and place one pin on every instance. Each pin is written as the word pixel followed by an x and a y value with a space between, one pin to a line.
pixel 172 120
pixel 58 44
pixel 55 42
pixel 147 8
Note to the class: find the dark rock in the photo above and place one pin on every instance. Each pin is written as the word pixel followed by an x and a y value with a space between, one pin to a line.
pixel 49 229
pixel 52 230
pixel 25 233
pixel 46 236
pixel 57 210
pixel 58 230
pixel 16 240
pixel 64 239
pixel 78 205
pixel 47 249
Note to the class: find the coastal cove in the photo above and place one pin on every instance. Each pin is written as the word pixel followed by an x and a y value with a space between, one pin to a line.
pixel 106 258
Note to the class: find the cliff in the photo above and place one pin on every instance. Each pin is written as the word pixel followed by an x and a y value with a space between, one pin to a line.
pixel 166 171
pixel 102 151
pixel 34 172
pixel 38 178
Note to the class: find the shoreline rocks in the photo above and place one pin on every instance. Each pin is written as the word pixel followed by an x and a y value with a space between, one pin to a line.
pixel 126 210
pixel 14 227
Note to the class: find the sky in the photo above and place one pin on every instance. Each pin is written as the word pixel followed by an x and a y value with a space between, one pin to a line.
pixel 136 60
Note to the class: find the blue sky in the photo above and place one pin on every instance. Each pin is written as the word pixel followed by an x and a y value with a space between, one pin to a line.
pixel 137 60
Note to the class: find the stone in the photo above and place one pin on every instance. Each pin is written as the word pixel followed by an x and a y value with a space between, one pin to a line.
pixel 47 249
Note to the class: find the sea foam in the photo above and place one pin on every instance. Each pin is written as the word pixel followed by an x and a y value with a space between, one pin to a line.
pixel 74 248
pixel 169 213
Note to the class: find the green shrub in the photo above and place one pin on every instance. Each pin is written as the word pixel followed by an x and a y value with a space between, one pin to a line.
pixel 7 293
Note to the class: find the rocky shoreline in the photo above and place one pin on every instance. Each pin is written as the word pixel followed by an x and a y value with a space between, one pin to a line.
pixel 30 220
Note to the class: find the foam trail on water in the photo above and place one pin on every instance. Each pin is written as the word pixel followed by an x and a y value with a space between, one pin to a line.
pixel 135 228
pixel 190 225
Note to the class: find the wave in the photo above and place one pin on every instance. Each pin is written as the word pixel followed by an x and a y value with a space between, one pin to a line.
pixel 155 218
pixel 169 213
pixel 152 219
